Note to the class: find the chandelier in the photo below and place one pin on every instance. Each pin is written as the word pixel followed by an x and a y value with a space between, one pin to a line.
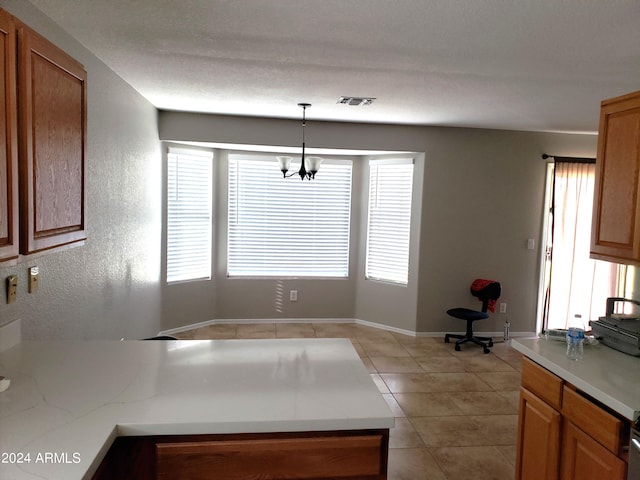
pixel 309 166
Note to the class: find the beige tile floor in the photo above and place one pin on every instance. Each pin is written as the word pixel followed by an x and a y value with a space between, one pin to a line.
pixel 456 412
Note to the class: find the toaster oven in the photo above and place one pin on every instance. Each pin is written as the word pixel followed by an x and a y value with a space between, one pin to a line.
pixel 617 330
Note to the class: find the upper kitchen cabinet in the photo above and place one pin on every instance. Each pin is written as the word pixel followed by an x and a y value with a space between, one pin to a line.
pixel 52 105
pixel 615 231
pixel 8 141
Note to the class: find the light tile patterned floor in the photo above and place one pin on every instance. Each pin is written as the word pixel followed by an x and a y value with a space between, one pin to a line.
pixel 456 412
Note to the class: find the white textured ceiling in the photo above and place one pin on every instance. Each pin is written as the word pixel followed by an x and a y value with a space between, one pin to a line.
pixel 541 65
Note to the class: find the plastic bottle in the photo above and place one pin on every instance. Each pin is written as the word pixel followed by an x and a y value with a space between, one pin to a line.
pixel 575 339
pixel 507 326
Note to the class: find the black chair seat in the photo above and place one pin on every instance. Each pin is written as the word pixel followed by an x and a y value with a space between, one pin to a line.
pixel 467 314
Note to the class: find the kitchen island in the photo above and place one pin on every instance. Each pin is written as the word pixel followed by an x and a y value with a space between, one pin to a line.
pixel 69 401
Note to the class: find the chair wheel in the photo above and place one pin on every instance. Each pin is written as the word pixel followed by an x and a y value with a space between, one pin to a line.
pixel 446 339
pixel 457 348
pixel 486 350
pixel 490 343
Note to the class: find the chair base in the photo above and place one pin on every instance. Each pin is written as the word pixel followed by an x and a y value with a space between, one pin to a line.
pixel 484 342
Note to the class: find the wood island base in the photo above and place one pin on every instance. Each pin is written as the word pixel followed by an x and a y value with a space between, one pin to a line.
pixel 346 455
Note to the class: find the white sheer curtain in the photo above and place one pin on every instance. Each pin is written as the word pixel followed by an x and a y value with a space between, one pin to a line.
pixel 579 285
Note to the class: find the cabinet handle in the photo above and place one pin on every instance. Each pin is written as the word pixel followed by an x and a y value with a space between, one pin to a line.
pixel 612 300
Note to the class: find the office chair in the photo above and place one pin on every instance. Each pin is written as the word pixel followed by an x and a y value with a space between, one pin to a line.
pixel 487 292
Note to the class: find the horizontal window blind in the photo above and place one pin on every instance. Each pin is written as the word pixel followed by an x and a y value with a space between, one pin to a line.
pixel 388 234
pixel 189 176
pixel 288 227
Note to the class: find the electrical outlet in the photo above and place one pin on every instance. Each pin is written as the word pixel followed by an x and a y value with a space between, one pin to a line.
pixel 503 308
pixel 33 279
pixel 12 288
pixel 293 295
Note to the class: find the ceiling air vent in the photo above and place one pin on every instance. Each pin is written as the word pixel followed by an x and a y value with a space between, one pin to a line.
pixel 356 101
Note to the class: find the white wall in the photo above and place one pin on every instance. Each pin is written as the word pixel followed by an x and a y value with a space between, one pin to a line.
pixel 482 197
pixel 386 303
pixel 269 297
pixel 110 287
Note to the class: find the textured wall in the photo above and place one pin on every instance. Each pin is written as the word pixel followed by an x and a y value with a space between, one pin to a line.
pixel 483 198
pixel 108 288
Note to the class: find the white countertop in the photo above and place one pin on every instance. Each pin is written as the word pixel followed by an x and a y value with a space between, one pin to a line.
pixel 607 375
pixel 69 400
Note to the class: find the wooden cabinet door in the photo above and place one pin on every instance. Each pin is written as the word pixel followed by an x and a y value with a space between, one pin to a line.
pixel 357 457
pixel 585 459
pixel 340 455
pixel 52 111
pixel 615 232
pixel 8 141
pixel 539 429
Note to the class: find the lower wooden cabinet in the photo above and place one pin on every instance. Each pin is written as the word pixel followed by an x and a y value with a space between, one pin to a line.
pixel 539 431
pixel 563 434
pixel 585 459
pixel 345 455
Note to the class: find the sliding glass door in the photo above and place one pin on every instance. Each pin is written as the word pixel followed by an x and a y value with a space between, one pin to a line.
pixel 574 283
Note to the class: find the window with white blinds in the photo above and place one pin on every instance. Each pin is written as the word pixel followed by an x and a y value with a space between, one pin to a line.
pixel 288 227
pixel 388 233
pixel 189 176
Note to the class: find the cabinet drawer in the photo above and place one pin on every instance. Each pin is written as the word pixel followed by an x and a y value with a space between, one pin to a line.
pixel 603 427
pixel 345 457
pixel 542 382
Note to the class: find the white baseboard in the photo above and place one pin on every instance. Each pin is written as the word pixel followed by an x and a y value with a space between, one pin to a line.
pixel 357 321
pixel 480 334
pixel 388 328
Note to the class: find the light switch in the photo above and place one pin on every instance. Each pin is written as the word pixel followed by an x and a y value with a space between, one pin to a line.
pixel 33 279
pixel 531 244
pixel 12 288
